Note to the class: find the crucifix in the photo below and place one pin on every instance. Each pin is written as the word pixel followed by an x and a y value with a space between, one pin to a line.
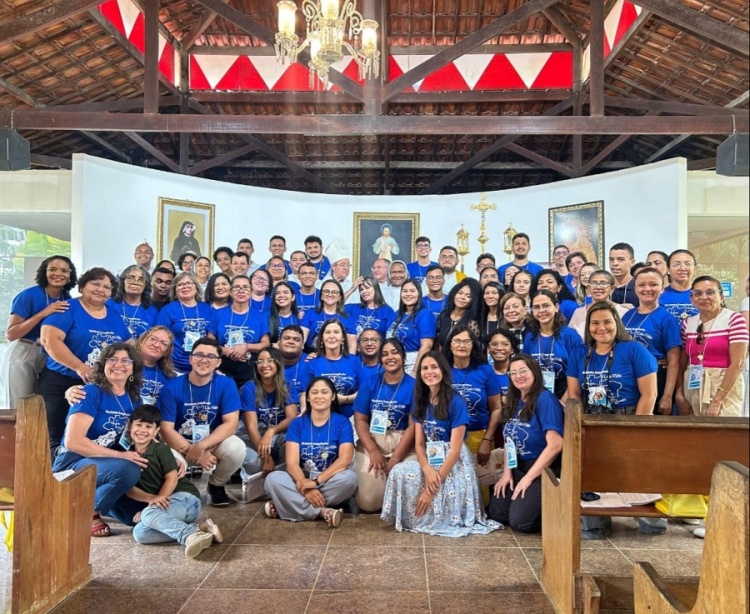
pixel 483 206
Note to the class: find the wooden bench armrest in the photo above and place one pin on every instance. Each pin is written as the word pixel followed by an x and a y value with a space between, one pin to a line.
pixel 649 588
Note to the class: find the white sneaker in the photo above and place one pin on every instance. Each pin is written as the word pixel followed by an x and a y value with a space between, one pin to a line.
pixel 197 543
pixel 700 532
pixel 694 521
pixel 209 526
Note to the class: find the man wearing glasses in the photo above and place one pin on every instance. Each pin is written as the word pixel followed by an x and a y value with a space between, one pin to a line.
pixel 368 347
pixel 448 262
pixel 201 412
pixel 161 285
pixel 418 268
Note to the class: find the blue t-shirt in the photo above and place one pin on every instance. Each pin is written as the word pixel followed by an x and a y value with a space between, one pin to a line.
pixel 188 324
pixel 569 282
pixel 530 437
pixel 418 271
pixel 553 353
pixel 678 304
pixel 619 383
pixel 503 381
pixel 232 328
pixel 138 319
pixel 262 307
pixel 153 381
pixel 187 405
pixel 307 302
pixel 475 386
pixel 361 318
pixel 110 413
pixel 440 430
pixel 85 336
pixel 412 329
pixel 270 413
pixel 297 376
pixel 367 371
pixel 396 399
pixel 319 445
pixel 567 308
pixel 314 320
pixel 531 267
pixel 344 373
pixel 30 302
pixel 435 306
pixel 323 267
pixel 658 331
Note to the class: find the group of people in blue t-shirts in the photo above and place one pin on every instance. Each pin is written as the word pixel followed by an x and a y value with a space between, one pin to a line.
pixel 352 402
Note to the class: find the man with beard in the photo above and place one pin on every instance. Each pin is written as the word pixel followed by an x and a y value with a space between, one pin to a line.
pixel 448 260
pixel 521 246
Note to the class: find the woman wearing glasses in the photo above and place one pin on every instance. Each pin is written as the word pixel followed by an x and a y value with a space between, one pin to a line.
pixel 514 312
pixel 331 307
pixel 260 291
pixel 371 312
pixel 334 362
pixel 186 317
pixel 553 282
pixel 74 340
pixel 241 332
pixel 533 434
pixel 277 268
pixel 715 344
pixel 95 426
pixel 132 300
pixel 600 286
pixel 24 359
pixel 676 297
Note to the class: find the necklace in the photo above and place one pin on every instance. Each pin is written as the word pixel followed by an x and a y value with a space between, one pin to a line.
pixel 122 409
pixel 208 399
pixel 324 453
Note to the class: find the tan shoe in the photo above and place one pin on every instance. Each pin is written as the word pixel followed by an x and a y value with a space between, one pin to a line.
pixel 209 526
pixel 197 543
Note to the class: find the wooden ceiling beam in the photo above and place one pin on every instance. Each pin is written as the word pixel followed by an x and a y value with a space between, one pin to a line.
pixel 51 14
pixel 200 26
pixel 563 26
pixel 675 108
pixel 125 104
pixel 151 58
pixel 470 42
pixel 543 161
pixel 609 149
pixel 154 151
pixel 222 159
pixel 596 74
pixel 705 26
pixel 51 161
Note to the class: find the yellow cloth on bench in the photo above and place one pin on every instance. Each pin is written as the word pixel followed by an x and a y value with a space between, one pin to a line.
pixel 685 506
pixel 6 518
pixel 6 494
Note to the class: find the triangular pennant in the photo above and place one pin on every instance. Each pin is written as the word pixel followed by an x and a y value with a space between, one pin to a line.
pixel 111 10
pixel 586 63
pixel 528 65
pixel 638 9
pixel 214 67
pixel 129 13
pixel 296 78
pixel 405 63
pixel 472 67
pixel 197 80
pixel 557 72
pixel 500 75
pixel 269 68
pixel 138 34
pixel 611 22
pixel 445 79
pixel 166 62
pixel 162 43
pixel 627 19
pixel 242 76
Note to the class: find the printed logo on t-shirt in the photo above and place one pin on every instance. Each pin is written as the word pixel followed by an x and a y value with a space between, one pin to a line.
pixel 316 456
pixel 115 424
pixel 598 380
pixel 434 431
pixel 518 431
pixel 99 340
pixel 470 395
pixel 199 412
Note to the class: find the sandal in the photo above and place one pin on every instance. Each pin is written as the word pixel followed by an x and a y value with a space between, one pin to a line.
pixel 100 529
pixel 269 509
pixel 332 517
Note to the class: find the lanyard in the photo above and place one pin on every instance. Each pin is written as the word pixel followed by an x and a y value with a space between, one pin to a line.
pixel 208 399
pixel 549 355
pixel 608 367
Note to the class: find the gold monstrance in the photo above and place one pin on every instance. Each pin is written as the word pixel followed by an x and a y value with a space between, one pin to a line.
pixel 483 207
pixel 462 244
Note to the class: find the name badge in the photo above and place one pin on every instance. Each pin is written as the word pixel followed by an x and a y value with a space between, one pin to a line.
pixel 598 397
pixel 511 457
pixel 125 441
pixel 436 453
pixel 148 400
pixel 190 338
pixel 200 431
pixel 379 422
pixel 695 377
pixel 235 338
pixel 548 378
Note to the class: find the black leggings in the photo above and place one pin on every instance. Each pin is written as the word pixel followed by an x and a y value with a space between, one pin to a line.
pixel 52 387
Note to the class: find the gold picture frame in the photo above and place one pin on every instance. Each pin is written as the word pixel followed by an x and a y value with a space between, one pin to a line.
pixel 579 227
pixel 174 236
pixel 397 242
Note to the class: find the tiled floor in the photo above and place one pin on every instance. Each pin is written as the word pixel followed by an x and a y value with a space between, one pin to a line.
pixel 363 567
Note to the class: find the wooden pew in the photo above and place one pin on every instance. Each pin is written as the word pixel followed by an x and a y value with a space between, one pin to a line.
pixel 52 532
pixel 604 453
pixel 724 580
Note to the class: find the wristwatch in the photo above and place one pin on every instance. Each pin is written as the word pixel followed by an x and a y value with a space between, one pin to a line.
pixel 317 481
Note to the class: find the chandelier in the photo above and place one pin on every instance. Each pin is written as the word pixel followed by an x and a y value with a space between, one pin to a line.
pixel 326 26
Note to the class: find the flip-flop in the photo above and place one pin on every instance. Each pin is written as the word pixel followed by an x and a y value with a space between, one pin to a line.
pixel 269 509
pixel 100 530
pixel 333 517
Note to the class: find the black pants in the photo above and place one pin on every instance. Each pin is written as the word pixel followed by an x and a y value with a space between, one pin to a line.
pixel 661 383
pixel 525 513
pixel 52 387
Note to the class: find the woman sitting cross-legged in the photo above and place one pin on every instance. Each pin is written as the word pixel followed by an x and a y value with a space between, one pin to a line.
pixel 437 494
pixel 319 454
pixel 533 434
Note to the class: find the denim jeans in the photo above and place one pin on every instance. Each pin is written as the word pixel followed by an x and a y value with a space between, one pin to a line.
pixel 114 476
pixel 253 463
pixel 599 527
pixel 174 524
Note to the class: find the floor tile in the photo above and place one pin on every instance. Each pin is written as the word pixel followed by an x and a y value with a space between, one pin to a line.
pixel 479 569
pixel 158 566
pixel 368 602
pixel 267 567
pixel 490 603
pixel 232 520
pixel 609 562
pixel 124 601
pixel 103 555
pixel 676 538
pixel 668 563
pixel 534 540
pixel 274 531
pixel 369 530
pixel 496 539
pixel 376 568
pixel 224 601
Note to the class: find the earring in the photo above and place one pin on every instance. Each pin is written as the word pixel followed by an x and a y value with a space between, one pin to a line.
pixel 130 379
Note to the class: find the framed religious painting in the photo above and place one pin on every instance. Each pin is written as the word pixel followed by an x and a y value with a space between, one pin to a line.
pixel 580 228
pixel 383 235
pixel 184 227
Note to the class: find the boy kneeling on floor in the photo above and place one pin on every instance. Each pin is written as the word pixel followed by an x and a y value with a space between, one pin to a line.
pixel 162 507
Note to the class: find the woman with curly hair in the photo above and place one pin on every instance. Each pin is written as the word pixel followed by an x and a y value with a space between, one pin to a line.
pixel 132 300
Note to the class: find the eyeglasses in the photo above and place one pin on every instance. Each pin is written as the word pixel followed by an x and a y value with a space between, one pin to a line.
pixel 495 345
pixel 100 285
pixel 423 245
pixel 434 278
pixel 135 280
pixel 164 344
pixel 54 269
pixel 600 284
pixel 241 288
pixel 125 362
pixel 185 284
pixel 368 340
pixel 522 371
pixel 461 342
pixel 700 293
pixel 200 356
pixel 266 361
pixel 682 265
pixel 563 252
pixel 330 292
pixel 277 266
